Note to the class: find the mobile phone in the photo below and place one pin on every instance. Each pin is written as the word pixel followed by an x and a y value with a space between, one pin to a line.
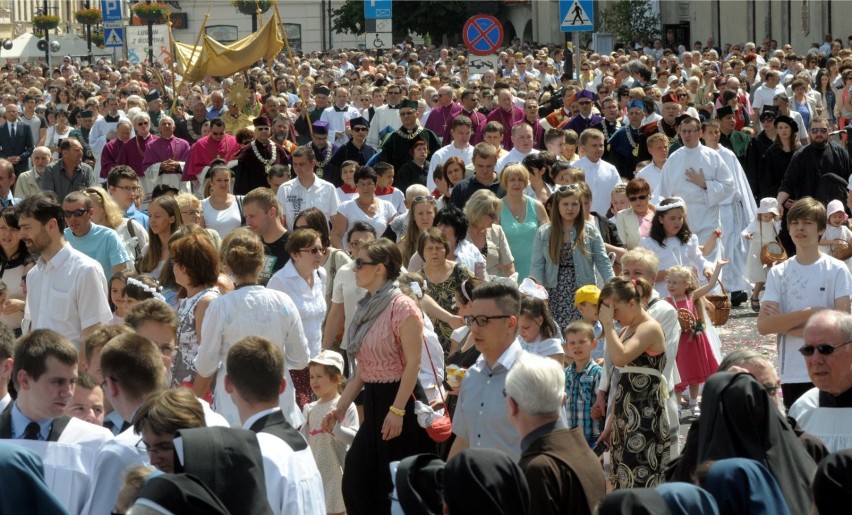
pixel 600 448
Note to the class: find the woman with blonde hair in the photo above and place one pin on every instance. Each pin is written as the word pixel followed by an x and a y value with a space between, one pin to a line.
pixel 482 211
pixel 107 213
pixel 190 212
pixel 421 216
pixel 520 216
pixel 163 219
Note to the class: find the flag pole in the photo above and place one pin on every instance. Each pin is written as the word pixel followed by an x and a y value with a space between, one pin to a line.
pixel 191 57
pixel 293 65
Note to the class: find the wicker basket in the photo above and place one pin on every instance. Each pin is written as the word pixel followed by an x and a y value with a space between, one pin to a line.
pixel 841 249
pixel 721 306
pixel 772 253
pixel 686 320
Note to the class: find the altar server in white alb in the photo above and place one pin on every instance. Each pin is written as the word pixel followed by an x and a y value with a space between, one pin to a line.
pixel 701 178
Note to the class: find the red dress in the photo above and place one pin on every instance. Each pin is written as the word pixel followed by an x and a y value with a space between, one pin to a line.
pixel 695 359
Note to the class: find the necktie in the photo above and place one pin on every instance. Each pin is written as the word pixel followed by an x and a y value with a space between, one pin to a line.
pixel 125 426
pixel 32 431
pixel 109 424
pixel 12 130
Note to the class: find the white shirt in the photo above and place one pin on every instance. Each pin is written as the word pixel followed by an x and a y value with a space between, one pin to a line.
pixel 222 221
pixel 795 287
pixel 765 96
pixel 310 301
pixel 601 177
pixel 345 291
pixel 442 155
pixel 514 156
pixel 652 175
pixel 338 121
pixel 296 198
pixel 702 205
pixel 830 425
pixel 66 294
pixel 383 117
pixel 259 312
pixel 385 212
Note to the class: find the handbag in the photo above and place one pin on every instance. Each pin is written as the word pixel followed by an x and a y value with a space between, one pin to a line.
pixel 441 428
pixel 773 252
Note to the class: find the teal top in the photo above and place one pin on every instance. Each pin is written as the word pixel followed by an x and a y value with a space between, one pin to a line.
pixel 520 236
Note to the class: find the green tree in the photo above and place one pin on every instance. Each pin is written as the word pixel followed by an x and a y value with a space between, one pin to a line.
pixel 630 20
pixel 428 17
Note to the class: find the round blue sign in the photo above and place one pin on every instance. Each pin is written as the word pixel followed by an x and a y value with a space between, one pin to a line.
pixel 483 34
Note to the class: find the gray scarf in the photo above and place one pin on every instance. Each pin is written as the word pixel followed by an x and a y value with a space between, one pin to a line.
pixel 369 309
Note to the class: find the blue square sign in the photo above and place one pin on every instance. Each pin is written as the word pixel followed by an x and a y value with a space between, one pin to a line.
pixel 378 9
pixel 111 10
pixel 576 15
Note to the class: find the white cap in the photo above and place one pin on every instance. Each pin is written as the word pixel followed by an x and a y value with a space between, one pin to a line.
pixel 768 205
pixel 330 358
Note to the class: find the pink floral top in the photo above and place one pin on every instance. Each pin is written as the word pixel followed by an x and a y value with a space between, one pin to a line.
pixel 380 358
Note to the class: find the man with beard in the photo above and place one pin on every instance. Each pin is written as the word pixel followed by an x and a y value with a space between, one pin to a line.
pixel 256 158
pixel 69 173
pixel 133 153
pixel 30 181
pixel 190 130
pixel 66 291
pixel 356 149
pixel 282 134
pixel 312 116
pixel 818 170
pixel 100 243
pixel 627 145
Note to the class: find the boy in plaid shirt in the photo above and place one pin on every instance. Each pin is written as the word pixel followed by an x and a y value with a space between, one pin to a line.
pixel 582 379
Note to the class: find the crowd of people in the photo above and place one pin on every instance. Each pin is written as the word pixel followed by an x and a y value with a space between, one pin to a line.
pixel 389 284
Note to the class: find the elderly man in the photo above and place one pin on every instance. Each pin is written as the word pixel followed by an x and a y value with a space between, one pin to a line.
pixel 133 152
pixel 16 140
pixel 482 415
pixel 217 105
pixel 441 116
pixel 255 159
pixel 190 130
pixel 507 115
pixel 70 173
pixel 826 410
pixel 164 159
pixel 564 475
pixel 30 181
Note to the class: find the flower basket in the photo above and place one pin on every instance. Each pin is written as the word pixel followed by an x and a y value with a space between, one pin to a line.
pixel 155 12
pixel 250 7
pixel 88 16
pixel 98 39
pixel 45 22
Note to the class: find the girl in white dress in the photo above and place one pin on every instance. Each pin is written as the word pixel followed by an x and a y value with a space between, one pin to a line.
pixel 762 230
pixel 329 442
pixel 835 229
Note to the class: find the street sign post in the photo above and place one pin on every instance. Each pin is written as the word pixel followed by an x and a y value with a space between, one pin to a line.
pixel 114 37
pixel 111 11
pixel 482 34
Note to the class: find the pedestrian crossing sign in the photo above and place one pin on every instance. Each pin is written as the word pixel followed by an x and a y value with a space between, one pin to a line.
pixel 113 37
pixel 576 15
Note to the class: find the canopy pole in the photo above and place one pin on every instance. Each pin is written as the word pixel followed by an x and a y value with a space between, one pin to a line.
pixel 191 57
pixel 293 65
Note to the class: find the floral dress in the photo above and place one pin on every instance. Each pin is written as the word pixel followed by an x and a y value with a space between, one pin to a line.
pixel 445 295
pixel 562 296
pixel 183 369
pixel 640 437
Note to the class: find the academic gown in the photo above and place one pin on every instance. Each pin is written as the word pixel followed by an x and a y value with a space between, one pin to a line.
pixel 348 152
pixel 625 155
pixel 702 205
pixel 189 130
pixel 396 148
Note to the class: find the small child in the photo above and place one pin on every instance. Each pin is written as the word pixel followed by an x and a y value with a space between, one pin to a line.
pixel 569 150
pixel 582 378
pixel 347 190
pixel 385 189
pixel 836 229
pixel 537 331
pixel 141 287
pixel 329 443
pixel 117 283
pixel 766 227
pixel 618 200
pixel 695 359
pixel 586 302
pixel 562 174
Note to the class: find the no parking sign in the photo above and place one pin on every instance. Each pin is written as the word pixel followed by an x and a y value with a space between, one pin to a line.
pixel 483 34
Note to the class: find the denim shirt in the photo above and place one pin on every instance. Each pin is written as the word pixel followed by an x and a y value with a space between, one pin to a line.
pixel 545 271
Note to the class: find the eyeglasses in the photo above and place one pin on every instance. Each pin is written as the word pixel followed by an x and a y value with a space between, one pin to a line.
pixel 357 244
pixel 637 197
pixel 825 349
pixel 422 198
pixel 585 102
pixel 313 250
pixel 819 130
pixel 360 263
pixel 482 320
pixel 163 448
pixel 566 188
pixel 76 213
pixel 140 124
pixel 359 129
pixel 261 128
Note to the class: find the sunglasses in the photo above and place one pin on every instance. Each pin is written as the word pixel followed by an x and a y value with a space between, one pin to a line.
pixel 360 263
pixel 637 197
pixel 313 250
pixel 76 213
pixel 359 129
pixel 825 349
pixel 585 102
pixel 566 188
pixel 819 130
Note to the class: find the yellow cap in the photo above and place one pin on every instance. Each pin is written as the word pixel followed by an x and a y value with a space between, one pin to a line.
pixel 589 293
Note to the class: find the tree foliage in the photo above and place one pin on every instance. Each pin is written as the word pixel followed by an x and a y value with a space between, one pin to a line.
pixel 427 17
pixel 630 20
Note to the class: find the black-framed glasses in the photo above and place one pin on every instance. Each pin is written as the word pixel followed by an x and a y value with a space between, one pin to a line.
pixel 482 320
pixel 360 263
pixel 503 391
pixel 76 213
pixel 819 130
pixel 637 197
pixel 313 250
pixel 825 349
